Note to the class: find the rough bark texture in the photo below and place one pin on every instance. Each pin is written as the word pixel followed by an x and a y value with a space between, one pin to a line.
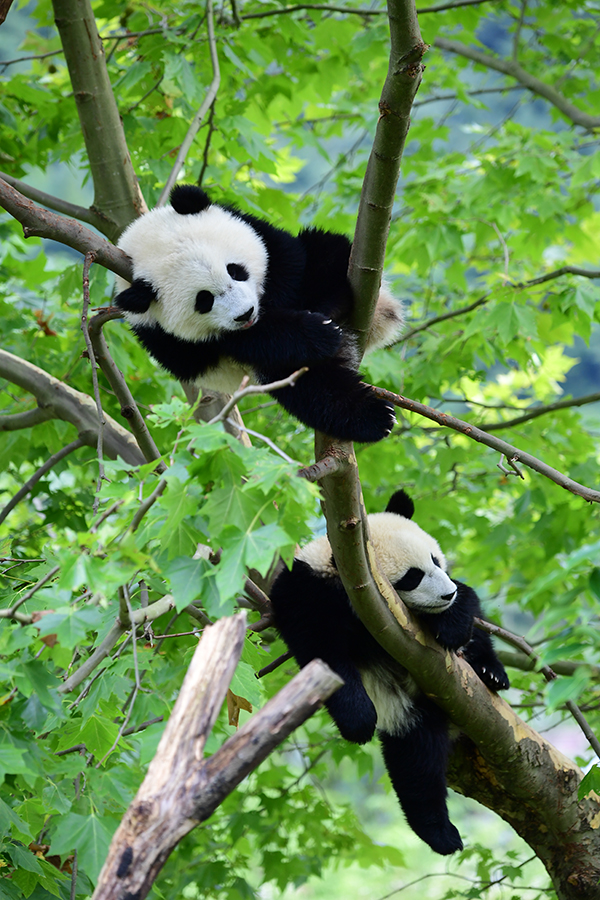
pixel 117 196
pixel 181 789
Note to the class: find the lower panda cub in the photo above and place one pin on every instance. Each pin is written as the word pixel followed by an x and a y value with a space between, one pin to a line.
pixel 315 618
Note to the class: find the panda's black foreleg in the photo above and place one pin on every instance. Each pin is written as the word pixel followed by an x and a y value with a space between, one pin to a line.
pixel 480 654
pixel 284 339
pixel 331 398
pixel 454 629
pixel 416 762
pixel 315 620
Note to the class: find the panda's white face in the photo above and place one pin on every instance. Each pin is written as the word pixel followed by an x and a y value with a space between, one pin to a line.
pixel 410 558
pixel 208 270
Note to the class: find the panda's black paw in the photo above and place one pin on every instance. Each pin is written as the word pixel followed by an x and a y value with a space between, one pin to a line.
pixel 493 674
pixel 322 336
pixel 373 418
pixel 443 840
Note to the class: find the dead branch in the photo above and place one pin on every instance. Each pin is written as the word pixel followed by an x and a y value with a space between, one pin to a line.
pixel 181 790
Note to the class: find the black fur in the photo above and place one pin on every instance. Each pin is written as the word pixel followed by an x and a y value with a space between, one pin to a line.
pixel 306 284
pixel 315 619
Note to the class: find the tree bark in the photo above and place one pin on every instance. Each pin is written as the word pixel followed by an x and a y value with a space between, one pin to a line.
pixel 181 789
pixel 117 196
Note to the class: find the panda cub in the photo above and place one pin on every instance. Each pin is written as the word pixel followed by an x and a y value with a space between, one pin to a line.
pixel 315 618
pixel 218 294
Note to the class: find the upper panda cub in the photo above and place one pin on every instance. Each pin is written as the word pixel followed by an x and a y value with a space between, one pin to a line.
pixel 315 619
pixel 218 294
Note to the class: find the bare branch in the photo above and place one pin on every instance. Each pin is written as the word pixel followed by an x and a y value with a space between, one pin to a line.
pixel 541 411
pixel 514 70
pixel 204 107
pixel 129 408
pixel 379 186
pixel 27 419
pixel 64 402
pixel 247 390
pixel 31 482
pixel 561 666
pixel 38 222
pixel 29 594
pixel 549 674
pixel 57 203
pixel 89 259
pixel 326 466
pixel 181 789
pixel 476 434
pixel 365 13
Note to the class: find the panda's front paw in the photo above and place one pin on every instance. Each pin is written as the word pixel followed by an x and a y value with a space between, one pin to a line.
pixel 323 336
pixel 374 417
pixel 493 675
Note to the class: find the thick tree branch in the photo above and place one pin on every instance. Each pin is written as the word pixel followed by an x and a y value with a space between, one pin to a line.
pixel 56 203
pixel 38 222
pixel 181 789
pixel 379 186
pixel 514 70
pixel 513 454
pixel 16 421
pixel 63 402
pixel 117 196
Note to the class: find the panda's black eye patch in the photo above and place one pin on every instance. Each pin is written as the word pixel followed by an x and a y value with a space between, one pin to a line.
pixel 411 580
pixel 237 272
pixel 435 561
pixel 204 301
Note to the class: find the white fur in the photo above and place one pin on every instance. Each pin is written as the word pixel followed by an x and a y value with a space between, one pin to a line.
pixel 181 255
pixel 400 544
pixel 388 320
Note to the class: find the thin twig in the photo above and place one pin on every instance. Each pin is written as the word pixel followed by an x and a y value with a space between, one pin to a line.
pixel 90 256
pixel 146 505
pixel 476 434
pixel 10 613
pixel 262 437
pixel 246 390
pixel 549 674
pixel 365 13
pixel 105 515
pixel 274 665
pixel 31 482
pixel 204 107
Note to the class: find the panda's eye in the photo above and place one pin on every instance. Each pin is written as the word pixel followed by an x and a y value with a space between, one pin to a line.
pixel 411 580
pixel 204 301
pixel 238 273
pixel 435 561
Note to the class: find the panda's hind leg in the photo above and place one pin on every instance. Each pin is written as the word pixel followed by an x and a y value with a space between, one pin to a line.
pixel 416 762
pixel 331 397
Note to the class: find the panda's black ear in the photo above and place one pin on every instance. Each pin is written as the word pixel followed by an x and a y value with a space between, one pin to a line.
pixel 187 199
pixel 137 298
pixel 401 504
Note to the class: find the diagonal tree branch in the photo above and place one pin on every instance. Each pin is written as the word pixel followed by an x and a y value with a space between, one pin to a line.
pixel 62 206
pixel 64 402
pixel 38 222
pixel 31 482
pixel 513 454
pixel 514 70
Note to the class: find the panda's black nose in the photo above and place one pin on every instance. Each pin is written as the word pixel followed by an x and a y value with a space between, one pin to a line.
pixel 449 596
pixel 245 317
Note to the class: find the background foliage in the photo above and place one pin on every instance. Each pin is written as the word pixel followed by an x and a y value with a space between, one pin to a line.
pixel 498 188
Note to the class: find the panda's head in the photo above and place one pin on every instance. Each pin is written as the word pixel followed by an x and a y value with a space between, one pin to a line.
pixel 207 267
pixel 410 558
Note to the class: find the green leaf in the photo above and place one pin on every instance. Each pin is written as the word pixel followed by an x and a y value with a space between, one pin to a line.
pixel 590 782
pixel 89 835
pixel 10 821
